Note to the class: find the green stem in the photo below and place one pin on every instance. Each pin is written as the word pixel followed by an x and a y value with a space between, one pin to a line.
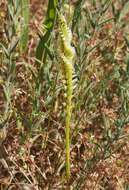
pixel 68 118
pixel 69 92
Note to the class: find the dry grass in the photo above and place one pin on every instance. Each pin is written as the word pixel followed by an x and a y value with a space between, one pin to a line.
pixel 33 153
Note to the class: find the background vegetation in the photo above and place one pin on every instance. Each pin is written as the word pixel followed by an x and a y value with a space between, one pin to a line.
pixel 32 132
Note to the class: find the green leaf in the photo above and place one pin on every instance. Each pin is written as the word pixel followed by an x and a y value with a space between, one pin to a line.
pixel 25 27
pixel 42 51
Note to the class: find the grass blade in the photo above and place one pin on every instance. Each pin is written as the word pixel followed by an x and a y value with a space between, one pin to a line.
pixel 41 50
pixel 25 27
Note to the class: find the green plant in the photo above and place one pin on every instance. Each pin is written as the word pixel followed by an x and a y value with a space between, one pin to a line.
pixel 42 50
pixel 25 24
pixel 37 81
pixel 66 55
pixel 43 46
